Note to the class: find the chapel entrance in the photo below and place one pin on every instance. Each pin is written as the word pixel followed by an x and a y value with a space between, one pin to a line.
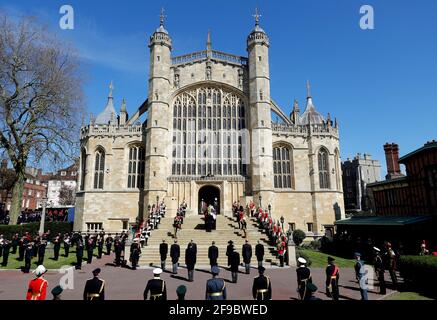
pixel 209 195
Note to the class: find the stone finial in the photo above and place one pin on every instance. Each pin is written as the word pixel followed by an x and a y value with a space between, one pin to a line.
pixel 308 89
pixel 257 16
pixel 111 88
pixel 162 17
pixel 208 42
pixel 123 105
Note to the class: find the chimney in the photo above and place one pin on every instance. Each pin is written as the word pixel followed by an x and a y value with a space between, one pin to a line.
pixel 392 159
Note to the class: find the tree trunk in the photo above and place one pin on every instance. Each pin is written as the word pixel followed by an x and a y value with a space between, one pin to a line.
pixel 17 196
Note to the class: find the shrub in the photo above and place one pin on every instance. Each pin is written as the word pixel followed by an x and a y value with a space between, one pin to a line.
pixel 298 237
pixel 419 271
pixel 55 227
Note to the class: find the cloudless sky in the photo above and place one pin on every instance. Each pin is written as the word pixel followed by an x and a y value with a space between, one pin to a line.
pixel 380 84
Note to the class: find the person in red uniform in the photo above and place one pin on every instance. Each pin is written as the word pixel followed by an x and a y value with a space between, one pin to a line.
pixel 38 287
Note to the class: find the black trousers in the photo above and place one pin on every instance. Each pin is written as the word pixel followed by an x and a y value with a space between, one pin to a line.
pixel 90 256
pixel 14 249
pixel 79 262
pixel 5 258
pixel 27 263
pixel 40 260
pixel 108 249
pixel 56 252
pixel 381 280
pixel 67 250
pixel 21 253
pixel 100 252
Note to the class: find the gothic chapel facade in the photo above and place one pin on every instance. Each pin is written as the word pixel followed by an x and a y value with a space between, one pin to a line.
pixel 209 134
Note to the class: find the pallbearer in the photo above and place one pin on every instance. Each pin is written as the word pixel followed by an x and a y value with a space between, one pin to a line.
pixel 303 278
pixel 94 287
pixel 332 277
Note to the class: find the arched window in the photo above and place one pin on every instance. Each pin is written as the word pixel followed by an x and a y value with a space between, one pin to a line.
pixel 323 159
pixel 337 169
pixel 83 159
pixel 282 167
pixel 99 169
pixel 135 177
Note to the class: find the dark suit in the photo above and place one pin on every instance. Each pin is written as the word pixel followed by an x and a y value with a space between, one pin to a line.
pixel 229 250
pixel 213 254
pixel 94 289
pixel 262 288
pixel 247 256
pixel 175 253
pixel 79 254
pixel 235 262
pixel 190 261
pixel 259 252
pixel 157 288
pixel 163 251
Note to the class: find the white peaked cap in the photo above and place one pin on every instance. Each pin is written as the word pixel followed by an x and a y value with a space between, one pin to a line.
pixel 157 271
pixel 40 270
pixel 302 260
pixel 376 249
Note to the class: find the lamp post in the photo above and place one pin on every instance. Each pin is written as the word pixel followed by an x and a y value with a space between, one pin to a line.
pixel 43 217
pixel 260 203
pixel 282 222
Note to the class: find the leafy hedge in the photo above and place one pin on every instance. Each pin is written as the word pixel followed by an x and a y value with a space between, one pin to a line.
pixel 55 227
pixel 419 271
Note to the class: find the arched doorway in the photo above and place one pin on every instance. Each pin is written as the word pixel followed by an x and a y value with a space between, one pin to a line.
pixel 210 195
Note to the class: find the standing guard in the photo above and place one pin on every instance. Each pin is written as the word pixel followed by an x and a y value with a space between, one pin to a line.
pixel 379 270
pixel 247 255
pixel 235 262
pixel 163 251
pixel 95 287
pixel 332 277
pixel 190 260
pixel 100 243
pixel 79 253
pixel 213 254
pixel 262 286
pixel 156 286
pixel 360 274
pixel 57 246
pixel 175 253
pixel 259 252
pixel 135 252
pixel 108 243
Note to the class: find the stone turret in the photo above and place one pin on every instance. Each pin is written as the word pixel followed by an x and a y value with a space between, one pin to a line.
pixel 123 113
pixel 260 112
pixel 108 115
pixel 158 144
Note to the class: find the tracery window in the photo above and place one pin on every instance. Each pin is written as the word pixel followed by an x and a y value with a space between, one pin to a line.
pixel 83 169
pixel 135 177
pixel 323 160
pixel 99 169
pixel 282 167
pixel 210 143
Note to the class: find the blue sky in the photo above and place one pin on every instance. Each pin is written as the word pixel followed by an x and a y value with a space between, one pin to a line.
pixel 381 84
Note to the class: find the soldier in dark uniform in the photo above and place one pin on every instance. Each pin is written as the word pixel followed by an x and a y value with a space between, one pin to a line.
pixel 15 241
pixel 41 252
pixel 6 249
pixel 163 251
pixel 303 278
pixel 379 270
pixel 235 262
pixel 215 287
pixel 259 252
pixel 108 243
pixel 262 286
pixel 135 252
pixel 247 255
pixel 67 243
pixel 79 254
pixel 21 248
pixel 311 289
pixel 28 254
pixel 100 243
pixel 213 255
pixel 229 250
pixel 175 253
pixel 90 250
pixel 332 277
pixel 118 248
pixel 156 286
pixel 95 287
pixel 56 247
pixel 391 264
pixel 190 260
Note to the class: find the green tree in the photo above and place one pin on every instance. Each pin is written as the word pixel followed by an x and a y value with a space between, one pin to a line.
pixel 40 99
pixel 298 237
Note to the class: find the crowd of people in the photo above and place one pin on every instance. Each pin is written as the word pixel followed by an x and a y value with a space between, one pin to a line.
pixel 28 216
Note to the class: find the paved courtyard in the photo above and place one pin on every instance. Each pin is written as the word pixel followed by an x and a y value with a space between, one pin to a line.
pixel 126 284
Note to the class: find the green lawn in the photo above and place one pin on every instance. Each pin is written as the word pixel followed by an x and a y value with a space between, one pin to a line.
pixel 320 260
pixel 407 296
pixel 49 263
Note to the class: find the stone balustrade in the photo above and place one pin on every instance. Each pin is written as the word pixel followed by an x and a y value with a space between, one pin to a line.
pixel 111 130
pixel 215 55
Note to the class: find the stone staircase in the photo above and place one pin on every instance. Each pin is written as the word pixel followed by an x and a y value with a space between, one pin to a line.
pixel 193 228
